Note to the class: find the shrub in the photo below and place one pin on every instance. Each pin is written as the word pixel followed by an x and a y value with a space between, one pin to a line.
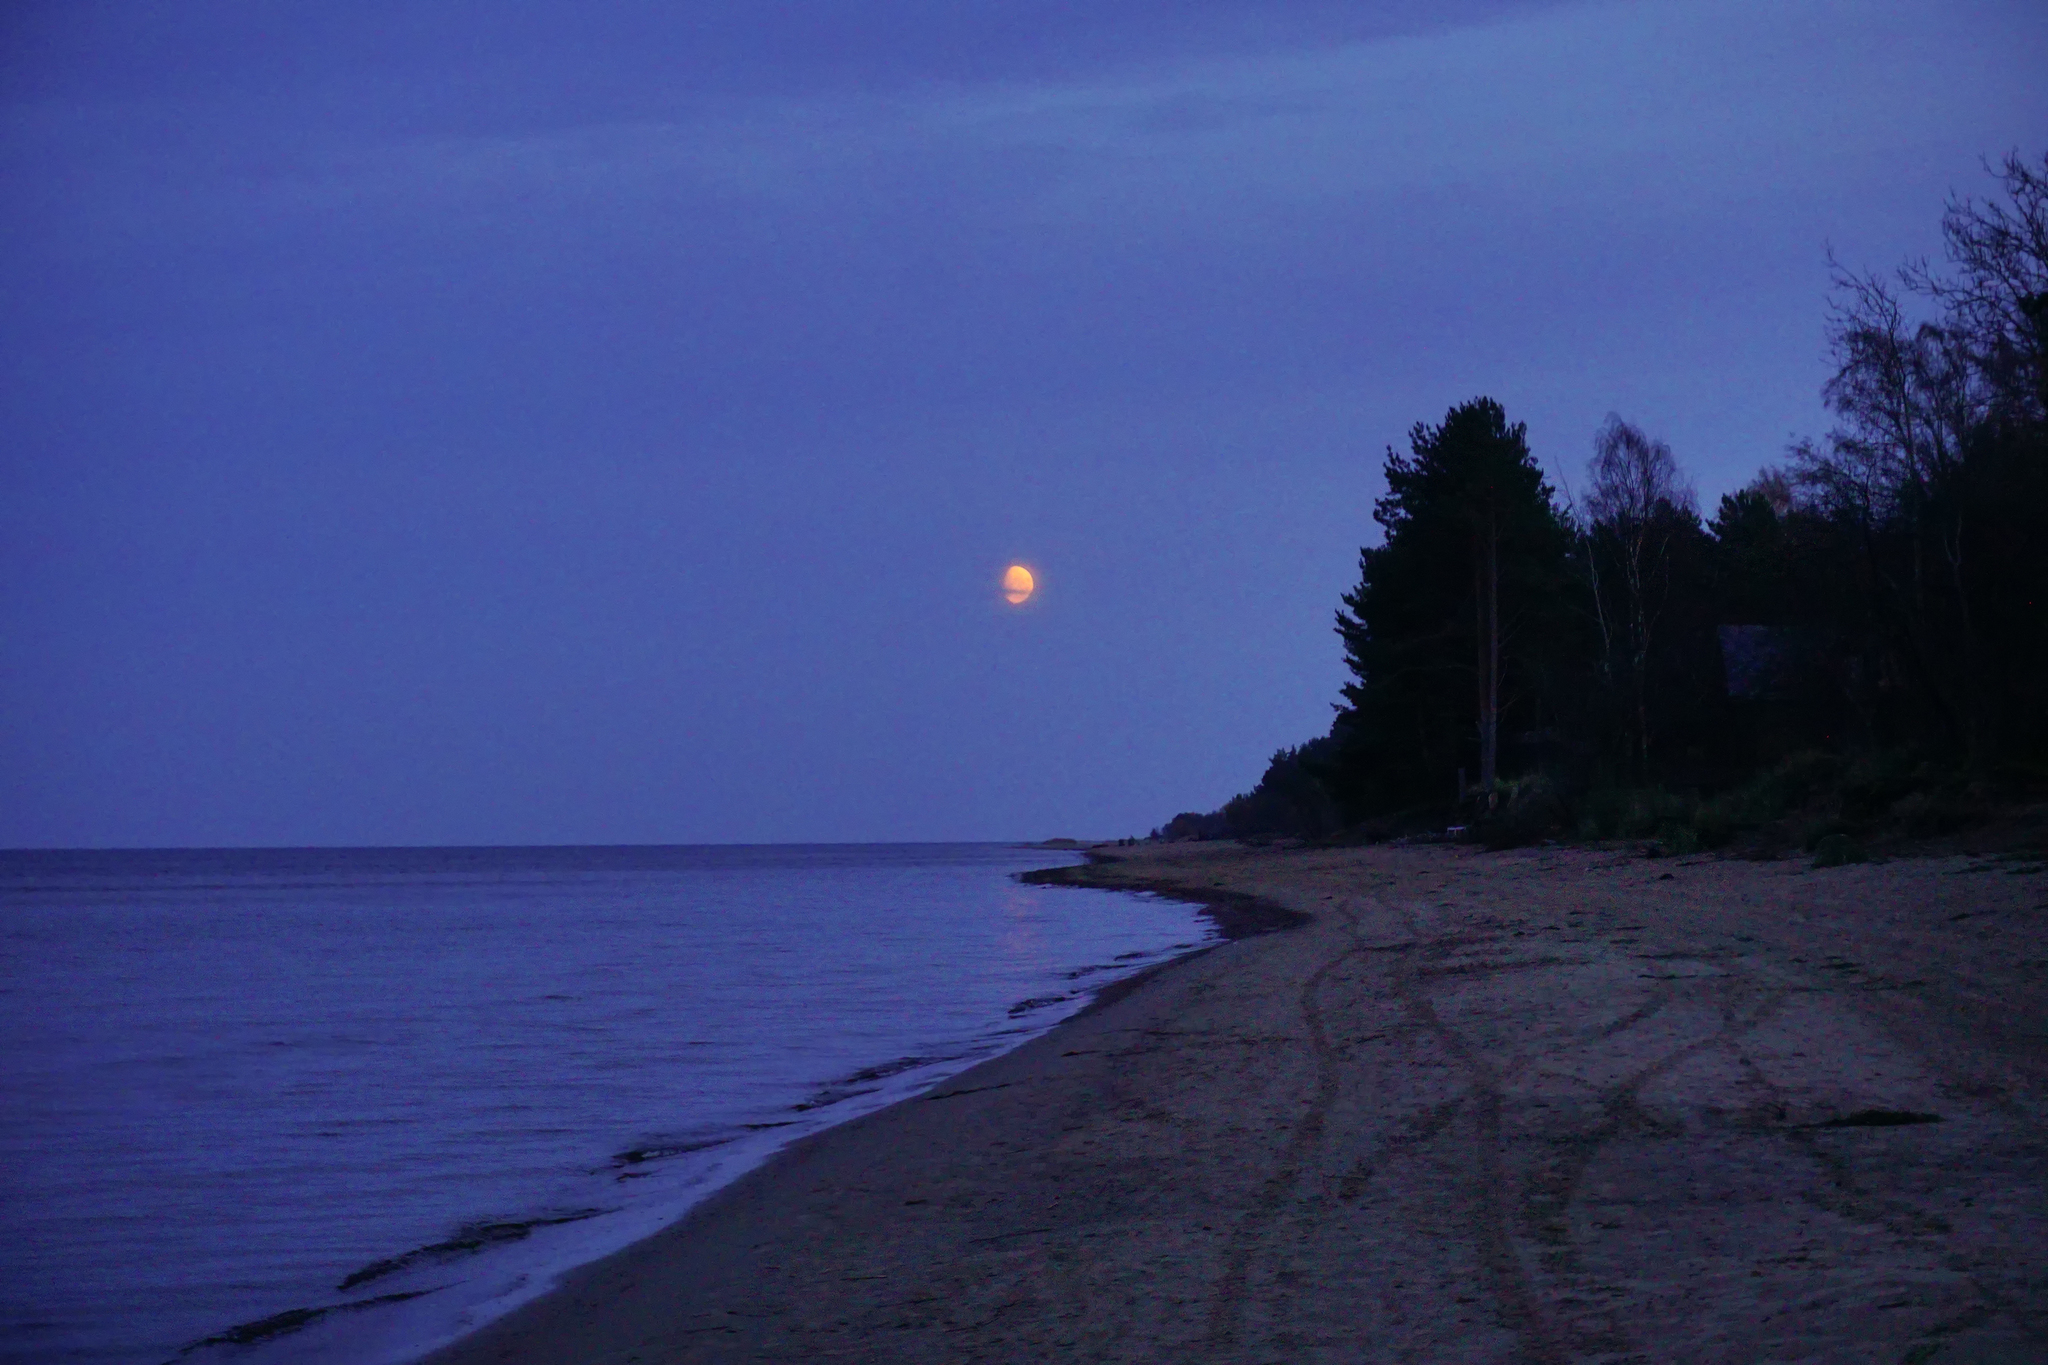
pixel 1874 781
pixel 1715 823
pixel 1836 850
pixel 1526 810
pixel 1678 838
pixel 1628 812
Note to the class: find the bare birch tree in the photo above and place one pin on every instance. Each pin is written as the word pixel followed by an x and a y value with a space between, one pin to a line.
pixel 1912 388
pixel 1634 496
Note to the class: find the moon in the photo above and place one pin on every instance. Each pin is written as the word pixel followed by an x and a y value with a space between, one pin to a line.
pixel 1018 584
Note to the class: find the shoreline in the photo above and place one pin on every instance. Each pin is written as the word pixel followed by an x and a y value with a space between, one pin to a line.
pixel 442 1289
pixel 1235 916
pixel 1480 1107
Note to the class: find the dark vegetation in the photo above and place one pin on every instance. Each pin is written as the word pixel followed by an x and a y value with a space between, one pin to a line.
pixel 1850 649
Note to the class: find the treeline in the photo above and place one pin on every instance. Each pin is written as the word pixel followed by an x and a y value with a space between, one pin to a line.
pixel 1867 620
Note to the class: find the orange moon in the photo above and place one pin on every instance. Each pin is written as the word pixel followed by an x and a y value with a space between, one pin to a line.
pixel 1018 584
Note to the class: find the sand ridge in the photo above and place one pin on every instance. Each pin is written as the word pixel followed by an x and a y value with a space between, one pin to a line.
pixel 1543 1106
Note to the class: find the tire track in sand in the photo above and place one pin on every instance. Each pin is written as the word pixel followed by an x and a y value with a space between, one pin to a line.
pixel 1491 1238
pixel 1551 1191
pixel 1227 1301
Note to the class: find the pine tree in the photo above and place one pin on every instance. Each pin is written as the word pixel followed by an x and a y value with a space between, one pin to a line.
pixel 1457 615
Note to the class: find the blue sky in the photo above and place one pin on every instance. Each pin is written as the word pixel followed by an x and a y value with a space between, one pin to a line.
pixel 438 424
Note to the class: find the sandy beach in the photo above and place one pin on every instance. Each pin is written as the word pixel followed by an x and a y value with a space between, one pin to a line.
pixel 1539 1106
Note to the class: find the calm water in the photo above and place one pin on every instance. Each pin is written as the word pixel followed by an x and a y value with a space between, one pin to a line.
pixel 231 1082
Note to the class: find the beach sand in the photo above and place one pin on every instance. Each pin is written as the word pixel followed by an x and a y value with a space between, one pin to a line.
pixel 1538 1106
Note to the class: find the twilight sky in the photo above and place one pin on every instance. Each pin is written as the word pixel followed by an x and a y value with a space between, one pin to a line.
pixel 563 423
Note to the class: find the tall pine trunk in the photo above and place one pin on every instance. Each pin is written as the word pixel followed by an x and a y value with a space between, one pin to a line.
pixel 1488 596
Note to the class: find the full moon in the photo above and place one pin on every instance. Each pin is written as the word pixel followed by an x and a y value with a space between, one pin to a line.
pixel 1018 584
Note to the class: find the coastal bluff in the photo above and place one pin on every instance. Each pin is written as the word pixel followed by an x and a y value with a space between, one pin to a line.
pixel 1552 1105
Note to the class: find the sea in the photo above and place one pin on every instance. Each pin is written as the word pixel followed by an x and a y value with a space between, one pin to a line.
pixel 344 1105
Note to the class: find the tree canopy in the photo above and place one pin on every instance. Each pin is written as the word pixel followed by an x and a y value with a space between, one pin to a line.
pixel 1879 591
pixel 1458 614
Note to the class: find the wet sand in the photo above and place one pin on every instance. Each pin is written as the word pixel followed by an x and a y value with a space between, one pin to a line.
pixel 1539 1106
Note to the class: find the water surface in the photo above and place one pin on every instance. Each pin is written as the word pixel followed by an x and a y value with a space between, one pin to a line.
pixel 237 1081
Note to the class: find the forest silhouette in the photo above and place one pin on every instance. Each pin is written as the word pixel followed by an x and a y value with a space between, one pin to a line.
pixel 1851 647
